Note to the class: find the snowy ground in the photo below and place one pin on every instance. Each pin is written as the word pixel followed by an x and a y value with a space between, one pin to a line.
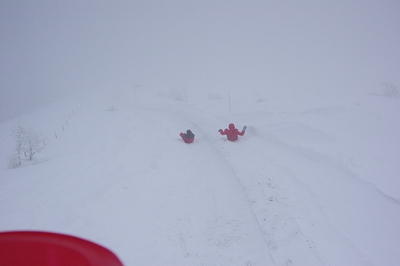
pixel 314 181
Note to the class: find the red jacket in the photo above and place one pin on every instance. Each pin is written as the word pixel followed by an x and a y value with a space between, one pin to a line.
pixel 232 133
pixel 186 139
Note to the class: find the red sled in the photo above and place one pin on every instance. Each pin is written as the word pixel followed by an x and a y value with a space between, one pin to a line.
pixel 25 248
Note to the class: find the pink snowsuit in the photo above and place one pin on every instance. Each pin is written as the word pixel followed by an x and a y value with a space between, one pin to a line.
pixel 232 133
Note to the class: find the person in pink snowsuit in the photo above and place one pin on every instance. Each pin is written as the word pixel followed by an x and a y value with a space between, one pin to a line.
pixel 232 133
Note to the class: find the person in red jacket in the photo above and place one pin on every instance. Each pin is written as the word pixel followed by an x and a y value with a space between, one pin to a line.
pixel 187 137
pixel 232 133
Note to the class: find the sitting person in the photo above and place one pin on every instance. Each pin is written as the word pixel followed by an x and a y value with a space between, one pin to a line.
pixel 187 137
pixel 232 133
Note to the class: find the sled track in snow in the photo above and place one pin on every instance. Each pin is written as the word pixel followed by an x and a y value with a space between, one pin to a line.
pixel 275 215
pixel 298 198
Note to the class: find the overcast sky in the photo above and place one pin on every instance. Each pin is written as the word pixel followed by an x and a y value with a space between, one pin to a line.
pixel 49 48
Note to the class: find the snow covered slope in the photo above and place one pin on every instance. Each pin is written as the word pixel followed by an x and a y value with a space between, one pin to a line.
pixel 314 181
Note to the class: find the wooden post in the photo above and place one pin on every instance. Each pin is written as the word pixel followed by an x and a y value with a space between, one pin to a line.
pixel 229 96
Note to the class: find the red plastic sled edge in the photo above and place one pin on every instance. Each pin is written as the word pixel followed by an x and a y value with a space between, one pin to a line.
pixel 45 248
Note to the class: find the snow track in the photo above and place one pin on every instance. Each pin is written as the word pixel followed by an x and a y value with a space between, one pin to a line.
pixel 293 221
